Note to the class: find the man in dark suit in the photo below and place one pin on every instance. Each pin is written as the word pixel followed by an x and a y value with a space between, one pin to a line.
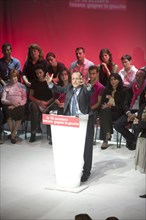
pixel 81 93
pixel 135 97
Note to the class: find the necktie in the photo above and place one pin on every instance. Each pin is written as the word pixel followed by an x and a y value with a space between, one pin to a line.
pixel 74 103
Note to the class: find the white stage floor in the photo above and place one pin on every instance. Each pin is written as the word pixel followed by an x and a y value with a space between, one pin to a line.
pixel 27 169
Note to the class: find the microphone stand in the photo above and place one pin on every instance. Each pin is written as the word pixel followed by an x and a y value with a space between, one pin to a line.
pixel 53 103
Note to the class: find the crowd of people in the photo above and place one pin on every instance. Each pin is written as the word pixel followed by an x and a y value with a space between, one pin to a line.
pixel 101 91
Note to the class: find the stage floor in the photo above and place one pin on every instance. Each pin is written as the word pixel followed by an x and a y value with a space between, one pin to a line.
pixel 27 171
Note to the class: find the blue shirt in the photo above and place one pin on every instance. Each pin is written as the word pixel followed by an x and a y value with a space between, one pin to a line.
pixel 5 67
pixel 78 112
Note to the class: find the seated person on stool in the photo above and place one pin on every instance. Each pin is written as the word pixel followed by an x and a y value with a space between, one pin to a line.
pixel 14 100
pixel 97 95
pixel 111 107
pixel 134 99
pixel 41 97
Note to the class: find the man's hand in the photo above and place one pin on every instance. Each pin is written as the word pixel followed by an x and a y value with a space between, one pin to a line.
pixel 131 117
pixel 135 121
pixel 81 80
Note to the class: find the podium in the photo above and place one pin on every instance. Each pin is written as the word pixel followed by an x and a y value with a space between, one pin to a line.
pixel 68 139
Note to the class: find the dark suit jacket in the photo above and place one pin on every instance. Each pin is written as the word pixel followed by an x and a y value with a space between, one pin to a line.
pixel 128 98
pixel 83 98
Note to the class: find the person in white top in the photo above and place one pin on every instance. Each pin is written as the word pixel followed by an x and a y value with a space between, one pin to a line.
pixel 81 64
pixel 129 70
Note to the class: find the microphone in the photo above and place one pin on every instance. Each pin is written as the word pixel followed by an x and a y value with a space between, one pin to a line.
pixel 53 103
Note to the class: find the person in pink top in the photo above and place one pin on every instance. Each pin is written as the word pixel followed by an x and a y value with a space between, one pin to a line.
pixel 98 87
pixel 97 95
pixel 14 100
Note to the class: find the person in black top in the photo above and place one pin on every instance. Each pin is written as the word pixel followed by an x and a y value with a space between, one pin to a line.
pixel 41 97
pixel 35 57
pixel 54 67
pixel 112 103
pixel 106 66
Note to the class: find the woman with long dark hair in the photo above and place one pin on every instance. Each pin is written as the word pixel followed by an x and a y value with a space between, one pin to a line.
pixel 111 107
pixel 64 77
pixel 106 66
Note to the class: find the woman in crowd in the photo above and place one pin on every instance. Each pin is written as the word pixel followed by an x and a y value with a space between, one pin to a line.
pixel 40 97
pixel 35 57
pixel 14 100
pixel 107 66
pixel 54 67
pixel 111 107
pixel 64 78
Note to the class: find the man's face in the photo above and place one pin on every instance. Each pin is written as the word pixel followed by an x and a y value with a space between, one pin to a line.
pixel 76 79
pixel 93 75
pixel 7 51
pixel 126 63
pixel 80 55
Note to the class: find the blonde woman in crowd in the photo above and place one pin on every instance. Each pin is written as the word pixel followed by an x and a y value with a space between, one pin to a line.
pixel 14 100
pixel 35 57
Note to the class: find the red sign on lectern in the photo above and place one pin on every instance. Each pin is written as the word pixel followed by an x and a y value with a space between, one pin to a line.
pixel 60 120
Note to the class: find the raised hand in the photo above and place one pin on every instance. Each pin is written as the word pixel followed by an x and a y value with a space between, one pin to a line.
pixel 48 78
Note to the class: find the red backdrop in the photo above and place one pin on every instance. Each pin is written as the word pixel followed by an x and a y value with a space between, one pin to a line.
pixel 57 27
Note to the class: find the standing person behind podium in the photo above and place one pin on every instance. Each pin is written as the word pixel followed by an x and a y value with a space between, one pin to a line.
pixel 83 94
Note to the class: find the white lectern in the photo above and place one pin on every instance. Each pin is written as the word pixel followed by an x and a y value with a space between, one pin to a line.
pixel 68 138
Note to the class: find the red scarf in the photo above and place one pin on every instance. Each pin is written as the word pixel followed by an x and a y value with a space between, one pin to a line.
pixel 136 92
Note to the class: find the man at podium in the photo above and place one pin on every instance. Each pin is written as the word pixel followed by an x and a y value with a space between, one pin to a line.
pixel 77 103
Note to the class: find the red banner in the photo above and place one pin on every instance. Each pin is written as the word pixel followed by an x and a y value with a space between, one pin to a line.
pixel 60 120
